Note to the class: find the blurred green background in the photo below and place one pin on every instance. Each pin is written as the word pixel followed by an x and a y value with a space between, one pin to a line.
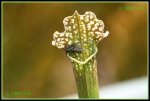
pixel 33 68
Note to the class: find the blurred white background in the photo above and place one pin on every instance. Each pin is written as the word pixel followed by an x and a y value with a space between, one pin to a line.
pixel 130 89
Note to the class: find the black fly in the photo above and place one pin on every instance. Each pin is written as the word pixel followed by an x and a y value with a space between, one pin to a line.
pixel 75 47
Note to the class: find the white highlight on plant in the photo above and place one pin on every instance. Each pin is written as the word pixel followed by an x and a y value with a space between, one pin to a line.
pixel 66 39
pixel 70 42
pixel 62 39
pixel 66 34
pixel 65 22
pixel 58 39
pixel 74 27
pixel 96 25
pixel 97 33
pixel 53 43
pixel 61 46
pixel 76 41
pixel 69 28
pixel 100 29
pixel 91 22
pixel 106 34
pixel 71 36
pixel 91 16
pixel 85 39
pixel 61 34
pixel 62 42
pixel 90 49
pixel 87 12
pixel 81 18
pixel 66 19
pixel 89 28
pixel 72 21
pixel 88 25
pixel 76 65
pixel 75 32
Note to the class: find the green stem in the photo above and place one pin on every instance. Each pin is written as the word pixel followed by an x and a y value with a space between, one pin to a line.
pixel 86 79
